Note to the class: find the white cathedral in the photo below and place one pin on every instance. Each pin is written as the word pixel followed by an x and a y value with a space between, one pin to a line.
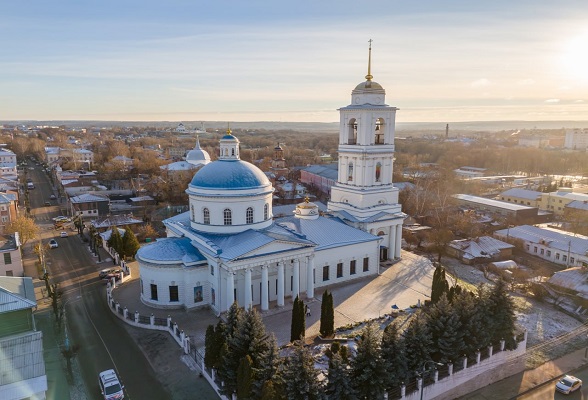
pixel 228 247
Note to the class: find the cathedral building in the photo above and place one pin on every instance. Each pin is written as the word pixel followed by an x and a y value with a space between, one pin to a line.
pixel 228 247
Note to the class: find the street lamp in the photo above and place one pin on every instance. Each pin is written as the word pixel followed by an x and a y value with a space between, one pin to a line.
pixel 423 374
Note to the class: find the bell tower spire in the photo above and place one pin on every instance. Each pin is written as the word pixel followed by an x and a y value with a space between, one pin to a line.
pixel 369 75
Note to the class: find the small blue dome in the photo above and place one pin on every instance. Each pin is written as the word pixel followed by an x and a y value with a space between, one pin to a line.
pixel 170 250
pixel 230 174
pixel 228 137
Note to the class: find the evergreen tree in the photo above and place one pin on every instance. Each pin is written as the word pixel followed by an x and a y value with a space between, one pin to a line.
pixel 339 381
pixel 368 369
pixel 298 327
pixel 466 305
pixel 393 354
pixel 418 343
pixel 268 371
pixel 115 240
pixel 130 244
pixel 327 325
pixel 484 317
pixel 446 331
pixel 244 378
pixel 502 310
pixel 234 317
pixel 213 343
pixel 439 285
pixel 232 350
pixel 300 376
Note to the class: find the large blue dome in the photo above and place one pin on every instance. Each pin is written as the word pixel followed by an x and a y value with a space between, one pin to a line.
pixel 230 174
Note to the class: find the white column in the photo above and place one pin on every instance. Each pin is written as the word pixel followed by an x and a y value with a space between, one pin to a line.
pixel 310 277
pixel 264 289
pixel 248 300
pixel 398 240
pixel 230 289
pixel 392 243
pixel 280 284
pixel 296 283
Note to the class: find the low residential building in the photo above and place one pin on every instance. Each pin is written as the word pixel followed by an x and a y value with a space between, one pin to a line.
pixel 470 172
pixel 8 209
pixel 22 366
pixel 560 247
pixel 481 249
pixel 556 202
pixel 320 177
pixel 499 209
pixel 10 257
pixel 7 161
pixel 121 220
pixel 89 205
pixel 54 155
pixel 525 197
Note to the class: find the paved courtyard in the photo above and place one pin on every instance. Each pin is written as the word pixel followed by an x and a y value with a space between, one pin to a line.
pixel 404 283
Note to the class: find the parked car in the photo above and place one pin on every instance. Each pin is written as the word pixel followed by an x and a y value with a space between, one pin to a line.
pixel 63 234
pixel 568 384
pixel 47 203
pixel 52 197
pixel 109 273
pixel 110 386
pixel 53 244
pixel 61 218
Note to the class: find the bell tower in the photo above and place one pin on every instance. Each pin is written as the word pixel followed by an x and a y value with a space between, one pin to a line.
pixel 364 195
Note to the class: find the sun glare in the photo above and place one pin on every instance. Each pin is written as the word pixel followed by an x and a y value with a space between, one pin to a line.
pixel 575 57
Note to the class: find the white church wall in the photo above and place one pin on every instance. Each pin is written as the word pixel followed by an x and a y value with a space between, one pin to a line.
pixel 196 289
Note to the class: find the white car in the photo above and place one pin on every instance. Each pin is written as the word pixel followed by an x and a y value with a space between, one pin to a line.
pixel 61 218
pixel 63 234
pixel 110 386
pixel 53 244
pixel 568 384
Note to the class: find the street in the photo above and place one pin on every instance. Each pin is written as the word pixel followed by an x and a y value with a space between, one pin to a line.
pixel 100 339
pixel 547 391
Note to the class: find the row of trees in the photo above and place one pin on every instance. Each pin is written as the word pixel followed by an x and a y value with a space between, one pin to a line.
pixel 125 245
pixel 249 363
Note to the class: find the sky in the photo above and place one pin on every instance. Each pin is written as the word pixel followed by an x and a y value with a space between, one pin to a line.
pixel 262 60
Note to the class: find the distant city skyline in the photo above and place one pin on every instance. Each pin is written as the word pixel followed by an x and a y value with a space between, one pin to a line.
pixel 269 61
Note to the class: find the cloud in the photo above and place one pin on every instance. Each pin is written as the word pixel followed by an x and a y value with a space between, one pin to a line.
pixel 578 101
pixel 552 101
pixel 480 83
pixel 526 82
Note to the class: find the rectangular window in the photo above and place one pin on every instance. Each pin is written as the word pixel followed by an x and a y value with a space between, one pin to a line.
pixel 548 253
pixel 340 270
pixel 212 270
pixel 534 249
pixel 366 264
pixel 572 260
pixel 7 258
pixel 352 267
pixel 9 273
pixel 557 256
pixel 154 292
pixel 326 273
pixel 542 251
pixel 173 293
pixel 528 248
pixel 564 258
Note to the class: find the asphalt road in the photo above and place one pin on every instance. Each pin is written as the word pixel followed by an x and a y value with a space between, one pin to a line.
pixel 547 391
pixel 102 339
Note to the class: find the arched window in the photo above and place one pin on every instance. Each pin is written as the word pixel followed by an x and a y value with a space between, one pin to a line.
pixel 352 132
pixel 228 217
pixel 249 215
pixel 378 171
pixel 232 152
pixel 192 208
pixel 265 212
pixel 379 131
pixel 350 172
pixel 206 216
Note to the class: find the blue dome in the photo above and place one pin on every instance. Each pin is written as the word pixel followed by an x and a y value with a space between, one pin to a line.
pixel 230 174
pixel 228 137
pixel 170 250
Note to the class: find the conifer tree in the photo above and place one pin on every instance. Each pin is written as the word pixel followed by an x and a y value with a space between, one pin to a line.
pixel 130 244
pixel 417 340
pixel 268 371
pixel 244 378
pixel 213 343
pixel 339 381
pixel 446 331
pixel 300 375
pixel 439 285
pixel 298 327
pixel 502 310
pixel 327 325
pixel 393 354
pixel 465 305
pixel 231 354
pixel 368 368
pixel 115 240
pixel 234 316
